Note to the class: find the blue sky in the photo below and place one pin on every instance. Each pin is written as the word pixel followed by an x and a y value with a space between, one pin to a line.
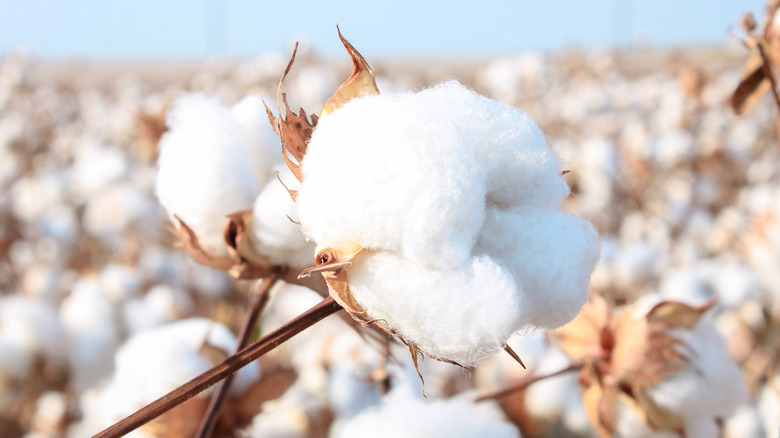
pixel 202 28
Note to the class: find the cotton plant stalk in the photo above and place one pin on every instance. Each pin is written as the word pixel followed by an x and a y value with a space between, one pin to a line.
pixel 436 215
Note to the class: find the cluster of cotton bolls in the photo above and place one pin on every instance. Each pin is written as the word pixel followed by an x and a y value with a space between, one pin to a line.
pixel 100 311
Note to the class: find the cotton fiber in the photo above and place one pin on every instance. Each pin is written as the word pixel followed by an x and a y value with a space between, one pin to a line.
pixel 455 198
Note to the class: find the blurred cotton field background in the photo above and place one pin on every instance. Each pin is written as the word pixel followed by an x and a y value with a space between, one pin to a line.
pixel 101 311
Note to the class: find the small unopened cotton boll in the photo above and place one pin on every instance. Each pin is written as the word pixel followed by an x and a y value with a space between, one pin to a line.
pixel 205 172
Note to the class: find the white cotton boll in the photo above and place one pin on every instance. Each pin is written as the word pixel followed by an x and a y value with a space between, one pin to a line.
pixel 51 409
pixel 550 256
pixel 711 386
pixel 463 313
pixel 161 304
pixel 547 398
pixel 673 147
pixel 92 334
pixel 96 167
pixel 264 149
pixel 116 209
pixel 404 414
pixel 120 282
pixel 154 362
pixel 745 423
pixel 274 234
pixel 34 196
pixel 28 327
pixel 735 284
pixel 376 154
pixel 687 285
pixel 204 172
pixel 42 280
pixel 349 393
pixel 769 408
pixel 279 421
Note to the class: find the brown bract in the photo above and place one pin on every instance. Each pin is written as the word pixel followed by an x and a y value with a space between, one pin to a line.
pixel 242 262
pixel 758 74
pixel 624 354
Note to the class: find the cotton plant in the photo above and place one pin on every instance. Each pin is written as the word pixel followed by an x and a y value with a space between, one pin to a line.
pixel 654 368
pixel 437 215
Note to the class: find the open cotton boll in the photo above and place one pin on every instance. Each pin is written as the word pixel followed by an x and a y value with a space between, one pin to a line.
pixel 263 145
pixel 390 155
pixel 274 234
pixel 155 361
pixel 549 254
pixel 28 327
pixel 402 413
pixel 712 386
pixel 433 156
pixel 204 172
pixel 463 313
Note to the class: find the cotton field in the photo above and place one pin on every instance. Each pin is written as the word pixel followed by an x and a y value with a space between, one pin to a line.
pixel 603 217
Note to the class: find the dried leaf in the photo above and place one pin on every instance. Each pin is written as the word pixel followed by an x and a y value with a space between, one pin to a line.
pixel 593 400
pixel 360 83
pixel 330 262
pixel 294 131
pixel 655 416
pixel 190 242
pixel 678 314
pixel 753 86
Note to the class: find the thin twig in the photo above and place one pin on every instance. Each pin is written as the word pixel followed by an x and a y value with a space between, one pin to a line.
pixel 527 382
pixel 259 299
pixel 232 364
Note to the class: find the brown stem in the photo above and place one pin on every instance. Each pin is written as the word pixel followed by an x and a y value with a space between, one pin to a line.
pixel 260 296
pixel 527 382
pixel 326 307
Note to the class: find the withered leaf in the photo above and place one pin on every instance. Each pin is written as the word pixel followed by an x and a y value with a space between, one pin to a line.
pixel 753 86
pixel 581 338
pixel 190 242
pixel 677 314
pixel 293 130
pixel 360 83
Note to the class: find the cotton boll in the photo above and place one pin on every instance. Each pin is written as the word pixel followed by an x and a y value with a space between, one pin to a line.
pixel 550 256
pixel 116 209
pixel 404 414
pixel 28 327
pixel 162 304
pixel 204 171
pixel 410 154
pixel 92 334
pixel 264 150
pixel 120 282
pixel 96 167
pixel 769 408
pixel 547 398
pixel 153 362
pixel 274 234
pixel 33 196
pixel 745 423
pixel 51 410
pixel 463 313
pixel 712 386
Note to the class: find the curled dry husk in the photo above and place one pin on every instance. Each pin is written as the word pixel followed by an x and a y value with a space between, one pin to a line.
pixel 243 262
pixel 623 355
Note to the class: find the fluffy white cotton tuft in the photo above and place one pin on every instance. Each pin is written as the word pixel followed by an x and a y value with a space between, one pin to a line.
pixel 464 314
pixel 549 253
pixel 158 360
pixel 205 172
pixel 274 234
pixel 455 198
pixel 402 414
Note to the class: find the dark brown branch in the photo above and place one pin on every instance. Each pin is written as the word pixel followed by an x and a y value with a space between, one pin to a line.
pixel 259 299
pixel 526 382
pixel 326 307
